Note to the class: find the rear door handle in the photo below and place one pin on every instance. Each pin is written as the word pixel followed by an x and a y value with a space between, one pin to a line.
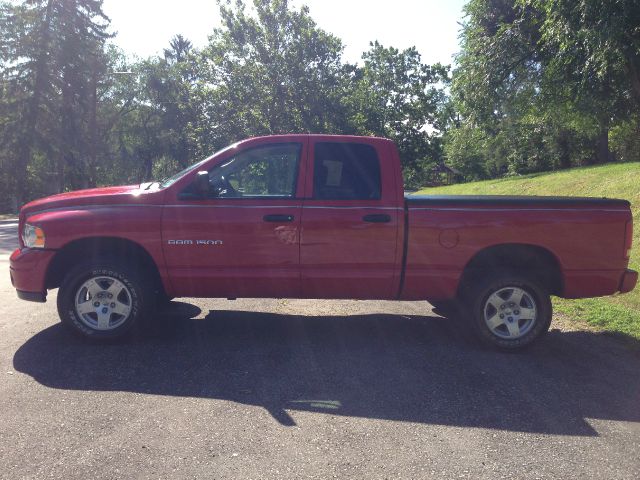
pixel 278 218
pixel 377 218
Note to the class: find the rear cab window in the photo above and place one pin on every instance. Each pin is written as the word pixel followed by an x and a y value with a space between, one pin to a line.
pixel 346 171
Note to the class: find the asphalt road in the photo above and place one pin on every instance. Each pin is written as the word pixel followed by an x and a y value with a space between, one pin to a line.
pixel 308 389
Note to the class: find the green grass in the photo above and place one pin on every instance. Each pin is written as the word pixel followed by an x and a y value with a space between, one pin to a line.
pixel 618 313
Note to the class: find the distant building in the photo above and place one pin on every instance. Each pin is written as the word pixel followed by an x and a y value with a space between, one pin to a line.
pixel 441 174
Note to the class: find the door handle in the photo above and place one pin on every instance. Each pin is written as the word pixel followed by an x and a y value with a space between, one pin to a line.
pixel 278 218
pixel 377 218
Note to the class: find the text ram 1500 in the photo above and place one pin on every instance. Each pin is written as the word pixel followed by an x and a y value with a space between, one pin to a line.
pixel 317 216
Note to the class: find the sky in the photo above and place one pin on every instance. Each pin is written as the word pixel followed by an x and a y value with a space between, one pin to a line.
pixel 144 27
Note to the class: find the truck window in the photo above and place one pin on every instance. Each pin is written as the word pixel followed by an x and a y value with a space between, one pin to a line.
pixel 266 171
pixel 346 171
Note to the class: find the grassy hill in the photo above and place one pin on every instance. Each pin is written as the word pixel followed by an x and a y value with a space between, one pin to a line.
pixel 618 313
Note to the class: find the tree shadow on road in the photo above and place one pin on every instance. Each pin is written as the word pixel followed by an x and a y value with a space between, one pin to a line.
pixel 404 368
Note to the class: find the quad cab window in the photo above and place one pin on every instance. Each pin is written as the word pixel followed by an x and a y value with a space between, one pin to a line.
pixel 346 171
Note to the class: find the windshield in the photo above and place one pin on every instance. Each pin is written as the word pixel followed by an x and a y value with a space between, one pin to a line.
pixel 174 178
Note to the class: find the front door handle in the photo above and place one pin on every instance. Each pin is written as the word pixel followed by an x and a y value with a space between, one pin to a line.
pixel 377 218
pixel 278 218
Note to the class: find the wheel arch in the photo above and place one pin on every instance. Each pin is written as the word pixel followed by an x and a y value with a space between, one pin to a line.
pixel 539 262
pixel 97 248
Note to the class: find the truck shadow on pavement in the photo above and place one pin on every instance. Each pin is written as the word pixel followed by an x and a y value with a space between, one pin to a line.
pixel 392 367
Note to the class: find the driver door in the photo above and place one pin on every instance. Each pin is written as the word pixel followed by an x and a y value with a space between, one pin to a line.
pixel 242 240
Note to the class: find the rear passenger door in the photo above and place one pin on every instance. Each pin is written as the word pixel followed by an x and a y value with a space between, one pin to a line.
pixel 350 221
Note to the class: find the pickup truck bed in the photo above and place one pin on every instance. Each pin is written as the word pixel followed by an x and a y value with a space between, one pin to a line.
pixel 457 227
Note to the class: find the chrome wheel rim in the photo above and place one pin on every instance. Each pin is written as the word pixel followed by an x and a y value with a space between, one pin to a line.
pixel 103 303
pixel 510 313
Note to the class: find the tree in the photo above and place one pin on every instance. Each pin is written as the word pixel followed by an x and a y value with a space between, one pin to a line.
pixel 593 46
pixel 27 81
pixel 170 85
pixel 75 113
pixel 50 52
pixel 270 72
pixel 399 97
pixel 542 82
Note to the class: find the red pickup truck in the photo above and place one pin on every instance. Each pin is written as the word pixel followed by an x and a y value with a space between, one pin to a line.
pixel 317 216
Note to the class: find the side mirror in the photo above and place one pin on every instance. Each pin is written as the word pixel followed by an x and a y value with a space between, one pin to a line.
pixel 201 184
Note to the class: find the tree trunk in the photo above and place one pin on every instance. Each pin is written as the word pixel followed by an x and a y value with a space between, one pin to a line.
pixel 92 161
pixel 564 156
pixel 26 141
pixel 69 133
pixel 602 146
pixel 634 76
pixel 147 169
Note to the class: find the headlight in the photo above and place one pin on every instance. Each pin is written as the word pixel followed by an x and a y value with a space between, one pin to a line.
pixel 32 236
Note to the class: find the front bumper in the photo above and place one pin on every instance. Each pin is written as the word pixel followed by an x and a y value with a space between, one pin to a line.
pixel 628 281
pixel 28 271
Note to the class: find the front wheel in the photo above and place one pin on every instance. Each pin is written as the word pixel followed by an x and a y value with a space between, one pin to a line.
pixel 102 300
pixel 510 311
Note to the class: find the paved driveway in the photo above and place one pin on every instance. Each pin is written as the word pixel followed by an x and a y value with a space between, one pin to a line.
pixel 308 389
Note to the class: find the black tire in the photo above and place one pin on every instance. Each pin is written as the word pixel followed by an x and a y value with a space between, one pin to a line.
pixel 508 330
pixel 104 274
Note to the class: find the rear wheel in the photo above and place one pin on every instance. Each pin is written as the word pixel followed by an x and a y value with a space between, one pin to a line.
pixel 510 311
pixel 102 300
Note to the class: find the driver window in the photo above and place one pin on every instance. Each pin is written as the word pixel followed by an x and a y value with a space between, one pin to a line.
pixel 267 171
